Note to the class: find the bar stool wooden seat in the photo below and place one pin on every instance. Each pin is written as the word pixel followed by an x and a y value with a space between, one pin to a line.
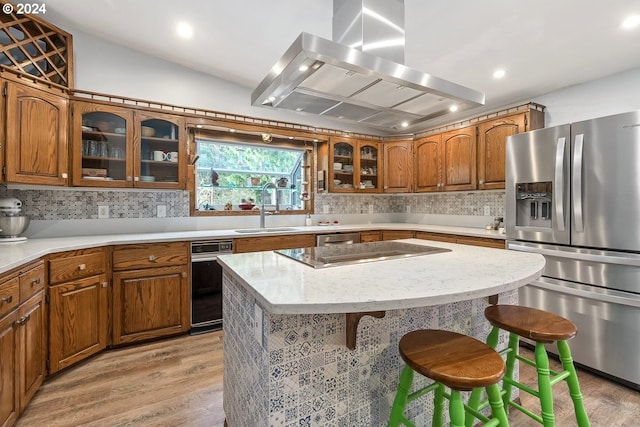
pixel 543 328
pixel 456 361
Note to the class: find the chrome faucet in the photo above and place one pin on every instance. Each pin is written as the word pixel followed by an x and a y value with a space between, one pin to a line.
pixel 262 210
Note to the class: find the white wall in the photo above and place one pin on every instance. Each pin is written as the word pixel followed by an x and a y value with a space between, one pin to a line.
pixel 603 97
pixel 101 66
pixel 104 67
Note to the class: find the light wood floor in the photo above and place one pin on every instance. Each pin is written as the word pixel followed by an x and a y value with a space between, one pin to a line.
pixel 178 382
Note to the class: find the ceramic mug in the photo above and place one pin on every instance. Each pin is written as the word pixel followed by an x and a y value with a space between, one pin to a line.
pixel 159 156
pixel 172 156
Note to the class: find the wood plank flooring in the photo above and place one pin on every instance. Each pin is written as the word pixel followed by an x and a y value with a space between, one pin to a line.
pixel 178 382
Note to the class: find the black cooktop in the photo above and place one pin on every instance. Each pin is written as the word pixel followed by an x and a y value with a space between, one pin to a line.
pixel 357 253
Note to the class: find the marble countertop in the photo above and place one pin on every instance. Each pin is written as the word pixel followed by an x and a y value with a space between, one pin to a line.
pixel 285 286
pixel 14 255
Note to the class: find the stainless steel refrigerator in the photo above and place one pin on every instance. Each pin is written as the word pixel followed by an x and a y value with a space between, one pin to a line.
pixel 573 195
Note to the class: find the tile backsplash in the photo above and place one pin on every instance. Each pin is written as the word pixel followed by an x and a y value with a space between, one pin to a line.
pixel 71 203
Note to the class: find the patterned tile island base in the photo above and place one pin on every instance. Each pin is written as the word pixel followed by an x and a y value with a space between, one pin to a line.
pixel 297 370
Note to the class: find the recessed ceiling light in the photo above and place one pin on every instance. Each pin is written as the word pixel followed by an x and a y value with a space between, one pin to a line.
pixel 303 68
pixel 232 130
pixel 453 108
pixel 404 124
pixel 199 126
pixel 184 30
pixel 499 73
pixel 631 21
pixel 290 137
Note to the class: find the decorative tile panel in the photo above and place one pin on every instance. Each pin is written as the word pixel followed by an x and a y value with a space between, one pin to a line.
pixel 302 374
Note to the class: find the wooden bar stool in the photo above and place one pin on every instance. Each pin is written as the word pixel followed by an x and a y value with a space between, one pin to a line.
pixel 453 360
pixel 543 328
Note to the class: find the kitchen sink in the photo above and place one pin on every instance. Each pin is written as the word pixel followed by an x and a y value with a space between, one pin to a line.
pixel 265 230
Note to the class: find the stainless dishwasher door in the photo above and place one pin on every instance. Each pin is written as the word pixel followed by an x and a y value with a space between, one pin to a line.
pixel 337 239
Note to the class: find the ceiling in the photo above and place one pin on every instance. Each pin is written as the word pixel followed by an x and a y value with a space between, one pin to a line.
pixel 543 45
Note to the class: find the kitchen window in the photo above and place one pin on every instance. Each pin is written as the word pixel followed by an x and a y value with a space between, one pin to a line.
pixel 230 176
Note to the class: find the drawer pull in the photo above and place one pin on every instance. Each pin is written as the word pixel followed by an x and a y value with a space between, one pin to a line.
pixel 7 299
pixel 23 319
pixel 152 258
pixel 184 275
pixel 35 282
pixel 82 267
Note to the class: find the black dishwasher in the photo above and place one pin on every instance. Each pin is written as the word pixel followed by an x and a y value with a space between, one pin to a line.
pixel 206 284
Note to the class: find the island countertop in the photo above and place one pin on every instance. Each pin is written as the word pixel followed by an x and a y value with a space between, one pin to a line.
pixel 285 286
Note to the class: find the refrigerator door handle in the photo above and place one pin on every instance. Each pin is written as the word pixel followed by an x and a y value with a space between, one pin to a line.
pixel 609 258
pixel 558 191
pixel 577 183
pixel 614 297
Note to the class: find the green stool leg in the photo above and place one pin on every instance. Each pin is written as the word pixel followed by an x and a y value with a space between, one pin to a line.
pixel 476 394
pixel 438 407
pixel 497 407
pixel 400 401
pixel 456 409
pixel 544 385
pixel 572 381
pixel 510 365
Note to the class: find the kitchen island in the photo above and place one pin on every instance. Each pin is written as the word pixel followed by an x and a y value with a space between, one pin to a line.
pixel 286 358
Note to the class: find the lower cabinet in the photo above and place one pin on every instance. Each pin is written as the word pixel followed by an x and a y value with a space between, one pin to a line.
pixel 22 339
pixel 78 320
pixel 269 243
pixel 151 291
pixel 150 303
pixel 397 234
pixel 370 236
pixel 463 240
pixel 9 405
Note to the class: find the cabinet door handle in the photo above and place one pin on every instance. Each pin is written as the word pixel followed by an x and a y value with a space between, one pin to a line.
pixel 82 267
pixel 152 258
pixel 65 176
pixel 35 282
pixel 480 182
pixel 184 275
pixel 7 299
pixel 136 179
pixel 128 178
pixel 105 284
pixel 21 321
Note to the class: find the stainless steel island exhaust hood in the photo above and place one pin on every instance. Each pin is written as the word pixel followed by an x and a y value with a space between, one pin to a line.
pixel 344 79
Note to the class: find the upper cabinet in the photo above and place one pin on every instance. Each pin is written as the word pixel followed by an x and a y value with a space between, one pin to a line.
pixel 446 161
pixel 492 136
pixel 397 167
pixel 35 135
pixel 354 166
pixel 119 147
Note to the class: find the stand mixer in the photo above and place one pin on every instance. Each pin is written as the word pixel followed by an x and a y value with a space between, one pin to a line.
pixel 12 223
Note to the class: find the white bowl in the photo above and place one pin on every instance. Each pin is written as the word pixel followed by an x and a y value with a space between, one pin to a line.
pixel 147 178
pixel 337 166
pixel 336 182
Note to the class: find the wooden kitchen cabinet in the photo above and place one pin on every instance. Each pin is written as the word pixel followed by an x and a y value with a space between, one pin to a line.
pixel 370 236
pixel 121 147
pixel 151 291
pixel 22 339
pixel 492 137
pixel 397 234
pixel 36 135
pixel 269 243
pixel 397 167
pixel 446 161
pixel 78 306
pixel 463 240
pixel 359 166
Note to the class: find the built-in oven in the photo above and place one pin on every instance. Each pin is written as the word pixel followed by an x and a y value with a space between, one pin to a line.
pixel 206 284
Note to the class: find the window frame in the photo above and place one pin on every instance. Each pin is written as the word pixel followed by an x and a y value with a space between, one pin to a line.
pixel 308 145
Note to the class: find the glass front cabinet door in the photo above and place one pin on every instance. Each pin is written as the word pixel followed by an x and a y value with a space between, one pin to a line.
pixel 160 143
pixel 120 147
pixel 354 166
pixel 101 152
